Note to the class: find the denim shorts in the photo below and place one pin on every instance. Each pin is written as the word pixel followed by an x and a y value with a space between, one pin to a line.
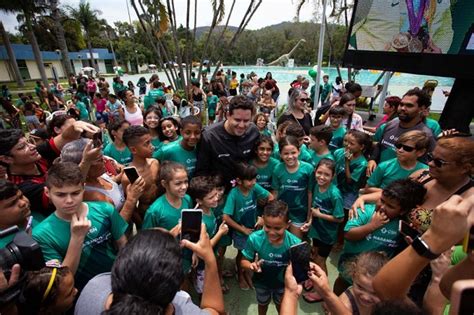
pixel 240 241
pixel 349 198
pixel 265 295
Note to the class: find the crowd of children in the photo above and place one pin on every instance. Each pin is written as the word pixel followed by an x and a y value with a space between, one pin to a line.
pixel 298 184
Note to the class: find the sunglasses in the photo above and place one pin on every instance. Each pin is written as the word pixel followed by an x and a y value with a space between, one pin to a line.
pixel 305 100
pixel 406 148
pixel 437 162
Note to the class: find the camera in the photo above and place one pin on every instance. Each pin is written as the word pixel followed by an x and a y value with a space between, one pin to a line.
pixel 22 250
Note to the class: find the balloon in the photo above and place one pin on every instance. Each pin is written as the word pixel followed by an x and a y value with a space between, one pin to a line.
pixel 312 73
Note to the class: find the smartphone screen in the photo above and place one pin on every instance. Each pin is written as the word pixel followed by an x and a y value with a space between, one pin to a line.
pixel 131 173
pixel 97 139
pixel 462 297
pixel 300 255
pixel 406 230
pixel 191 224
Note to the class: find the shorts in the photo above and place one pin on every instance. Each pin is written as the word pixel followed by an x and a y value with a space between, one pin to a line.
pixel 33 120
pixel 297 225
pixel 198 104
pixel 349 198
pixel 323 249
pixel 265 295
pixel 240 241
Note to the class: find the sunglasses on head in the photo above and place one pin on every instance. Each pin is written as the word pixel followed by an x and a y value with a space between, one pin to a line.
pixel 437 162
pixel 406 148
pixel 305 99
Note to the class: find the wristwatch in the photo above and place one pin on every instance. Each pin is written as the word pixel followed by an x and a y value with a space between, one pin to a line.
pixel 420 246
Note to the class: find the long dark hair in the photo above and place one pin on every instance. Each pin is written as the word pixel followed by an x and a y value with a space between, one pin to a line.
pixel 146 274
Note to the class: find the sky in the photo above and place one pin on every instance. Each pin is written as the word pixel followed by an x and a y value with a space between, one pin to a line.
pixel 270 12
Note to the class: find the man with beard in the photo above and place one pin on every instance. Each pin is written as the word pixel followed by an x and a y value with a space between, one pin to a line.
pixel 410 117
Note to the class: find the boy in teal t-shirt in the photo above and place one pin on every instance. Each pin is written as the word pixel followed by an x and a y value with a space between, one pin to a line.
pixel 81 107
pixel 320 138
pixel 85 236
pixel 267 253
pixel 184 151
pixel 410 146
pixel 117 148
pixel 336 115
pixel 240 212
pixel 212 101
pixel 376 229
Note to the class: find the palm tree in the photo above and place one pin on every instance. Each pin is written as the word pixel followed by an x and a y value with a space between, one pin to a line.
pixel 28 9
pixel 87 17
pixel 11 56
pixel 59 32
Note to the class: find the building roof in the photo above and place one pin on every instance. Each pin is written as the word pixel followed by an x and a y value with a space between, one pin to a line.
pixel 25 52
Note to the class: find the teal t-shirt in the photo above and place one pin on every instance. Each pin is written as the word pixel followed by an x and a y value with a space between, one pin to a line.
pixel 243 209
pixel 389 152
pixel 98 250
pixel 162 145
pixel 162 214
pixel 124 157
pixel 384 239
pixel 315 158
pixel 357 168
pixel 156 93
pixel 83 113
pixel 264 174
pixel 434 126
pixel 156 143
pixel 276 152
pixel 175 152
pixel 388 171
pixel 293 189
pixel 305 154
pixel 337 139
pixel 275 258
pixel 212 104
pixel 266 132
pixel 329 202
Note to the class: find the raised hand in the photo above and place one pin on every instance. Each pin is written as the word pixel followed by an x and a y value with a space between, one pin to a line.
pixel 256 266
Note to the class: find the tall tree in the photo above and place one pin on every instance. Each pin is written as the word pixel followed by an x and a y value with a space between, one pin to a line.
pixel 60 35
pixel 27 9
pixel 88 18
pixel 11 56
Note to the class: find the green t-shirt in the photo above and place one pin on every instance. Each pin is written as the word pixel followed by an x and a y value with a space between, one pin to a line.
pixel 276 152
pixel 264 174
pixel 389 152
pixel 162 214
pixel 157 152
pixel 305 154
pixel 98 250
pixel 243 209
pixel 83 113
pixel 275 258
pixel 212 104
pixel 315 158
pixel 266 132
pixel 357 168
pixel 175 152
pixel 156 143
pixel 156 93
pixel 434 126
pixel 329 202
pixel 388 171
pixel 293 189
pixel 337 139
pixel 384 239
pixel 124 157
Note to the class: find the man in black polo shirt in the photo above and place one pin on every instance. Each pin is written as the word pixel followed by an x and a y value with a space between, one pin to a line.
pixel 226 143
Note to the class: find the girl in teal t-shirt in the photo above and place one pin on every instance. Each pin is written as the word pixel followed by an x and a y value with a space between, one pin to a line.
pixel 292 182
pixel 152 122
pixel 261 121
pixel 351 165
pixel 263 161
pixel 240 212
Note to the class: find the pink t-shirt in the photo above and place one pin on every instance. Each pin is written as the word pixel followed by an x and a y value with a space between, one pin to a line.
pixel 91 86
pixel 100 104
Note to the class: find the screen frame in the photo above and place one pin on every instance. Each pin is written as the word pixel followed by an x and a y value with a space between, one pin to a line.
pixel 445 65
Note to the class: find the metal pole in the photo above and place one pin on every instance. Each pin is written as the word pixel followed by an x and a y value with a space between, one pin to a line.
pixel 383 94
pixel 320 54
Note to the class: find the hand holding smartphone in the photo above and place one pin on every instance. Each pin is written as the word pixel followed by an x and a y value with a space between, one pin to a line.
pixel 131 173
pixel 97 139
pixel 191 224
pixel 406 230
pixel 300 255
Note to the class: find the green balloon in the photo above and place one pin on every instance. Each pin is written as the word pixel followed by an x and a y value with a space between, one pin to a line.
pixel 312 73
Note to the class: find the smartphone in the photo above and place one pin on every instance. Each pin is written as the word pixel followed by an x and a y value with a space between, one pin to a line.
pixel 131 173
pixel 300 255
pixel 462 297
pixel 191 224
pixel 406 230
pixel 97 139
pixel 110 167
pixel 468 243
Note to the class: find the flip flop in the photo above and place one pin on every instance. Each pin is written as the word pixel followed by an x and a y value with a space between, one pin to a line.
pixel 312 297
